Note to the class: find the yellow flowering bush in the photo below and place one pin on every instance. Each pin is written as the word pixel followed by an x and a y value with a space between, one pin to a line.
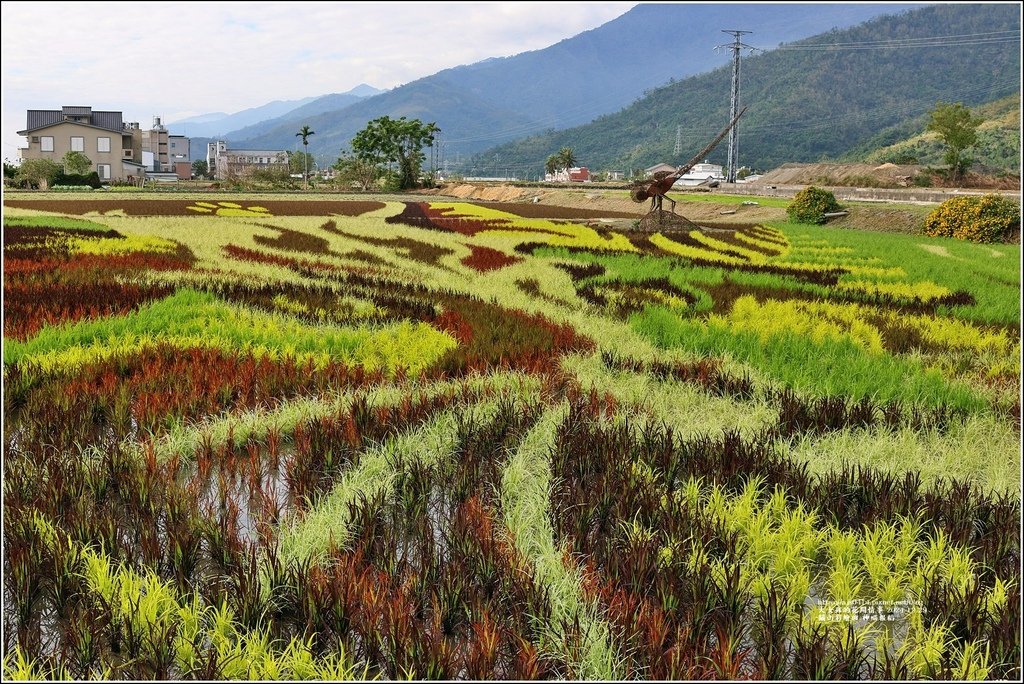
pixel 990 218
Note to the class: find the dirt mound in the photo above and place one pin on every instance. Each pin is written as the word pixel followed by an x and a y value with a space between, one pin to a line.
pixel 490 193
pixel 864 175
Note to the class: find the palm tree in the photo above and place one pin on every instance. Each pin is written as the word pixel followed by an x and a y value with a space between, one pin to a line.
pixel 567 158
pixel 551 165
pixel 305 133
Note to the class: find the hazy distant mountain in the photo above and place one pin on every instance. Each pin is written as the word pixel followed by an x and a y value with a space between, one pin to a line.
pixel 819 98
pixel 212 124
pixel 202 118
pixel 302 115
pixel 596 72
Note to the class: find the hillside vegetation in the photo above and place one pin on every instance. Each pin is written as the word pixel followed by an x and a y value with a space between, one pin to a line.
pixel 997 149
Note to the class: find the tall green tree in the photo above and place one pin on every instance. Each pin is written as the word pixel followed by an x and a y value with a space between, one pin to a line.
pixel 958 129
pixel 299 162
pixel 305 132
pixel 200 169
pixel 351 169
pixel 39 172
pixel 400 141
pixel 76 163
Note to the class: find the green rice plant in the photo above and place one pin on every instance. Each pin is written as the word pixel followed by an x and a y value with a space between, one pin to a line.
pixel 990 273
pixel 524 502
pixel 830 366
pixel 62 222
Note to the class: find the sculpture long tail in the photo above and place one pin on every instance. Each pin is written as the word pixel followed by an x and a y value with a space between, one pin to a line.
pixel 707 150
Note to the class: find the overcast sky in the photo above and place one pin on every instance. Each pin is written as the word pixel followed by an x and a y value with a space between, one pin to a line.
pixel 179 59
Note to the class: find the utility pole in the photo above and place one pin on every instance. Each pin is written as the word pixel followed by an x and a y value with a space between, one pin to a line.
pixel 734 101
pixel 679 140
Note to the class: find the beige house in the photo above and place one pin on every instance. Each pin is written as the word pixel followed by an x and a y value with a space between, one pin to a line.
pixel 117 150
pixel 101 136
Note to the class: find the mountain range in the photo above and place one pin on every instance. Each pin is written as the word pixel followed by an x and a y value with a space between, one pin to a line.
pixel 811 100
pixel 572 82
pixel 222 123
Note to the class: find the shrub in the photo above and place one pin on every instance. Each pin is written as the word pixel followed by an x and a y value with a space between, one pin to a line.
pixel 923 179
pixel 72 188
pixel 990 218
pixel 811 204
pixel 92 180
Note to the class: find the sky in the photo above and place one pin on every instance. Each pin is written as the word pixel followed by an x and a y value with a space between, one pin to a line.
pixel 180 59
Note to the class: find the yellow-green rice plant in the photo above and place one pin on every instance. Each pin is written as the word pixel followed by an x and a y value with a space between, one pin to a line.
pixel 924 290
pixel 752 239
pixel 972 662
pixel 18 667
pixel 958 570
pixel 752 256
pixel 126 245
pixel 191 619
pixel 931 560
pixel 817 322
pixel 997 596
pixel 844 582
pixel 190 318
pixel 877 544
pixel 923 647
pixel 690 252
pixel 957 334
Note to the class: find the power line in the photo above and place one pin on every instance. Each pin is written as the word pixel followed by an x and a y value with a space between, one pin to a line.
pixel 987 38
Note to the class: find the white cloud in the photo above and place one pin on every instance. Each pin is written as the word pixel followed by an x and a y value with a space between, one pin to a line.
pixel 167 58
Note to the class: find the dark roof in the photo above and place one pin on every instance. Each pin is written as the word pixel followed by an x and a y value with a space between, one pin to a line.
pixel 42 118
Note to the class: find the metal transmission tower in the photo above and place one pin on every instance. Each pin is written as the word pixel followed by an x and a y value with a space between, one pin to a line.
pixel 679 140
pixel 734 105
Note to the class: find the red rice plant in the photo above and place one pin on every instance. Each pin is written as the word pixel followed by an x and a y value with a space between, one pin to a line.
pixel 484 259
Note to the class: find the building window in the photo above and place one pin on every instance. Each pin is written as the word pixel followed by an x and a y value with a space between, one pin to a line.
pixel 46 143
pixel 104 171
pixel 102 144
pixel 77 143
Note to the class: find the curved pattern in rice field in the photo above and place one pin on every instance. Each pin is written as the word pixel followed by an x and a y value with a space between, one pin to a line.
pixel 332 439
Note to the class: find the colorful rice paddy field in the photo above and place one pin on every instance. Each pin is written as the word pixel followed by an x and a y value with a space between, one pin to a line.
pixel 254 438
